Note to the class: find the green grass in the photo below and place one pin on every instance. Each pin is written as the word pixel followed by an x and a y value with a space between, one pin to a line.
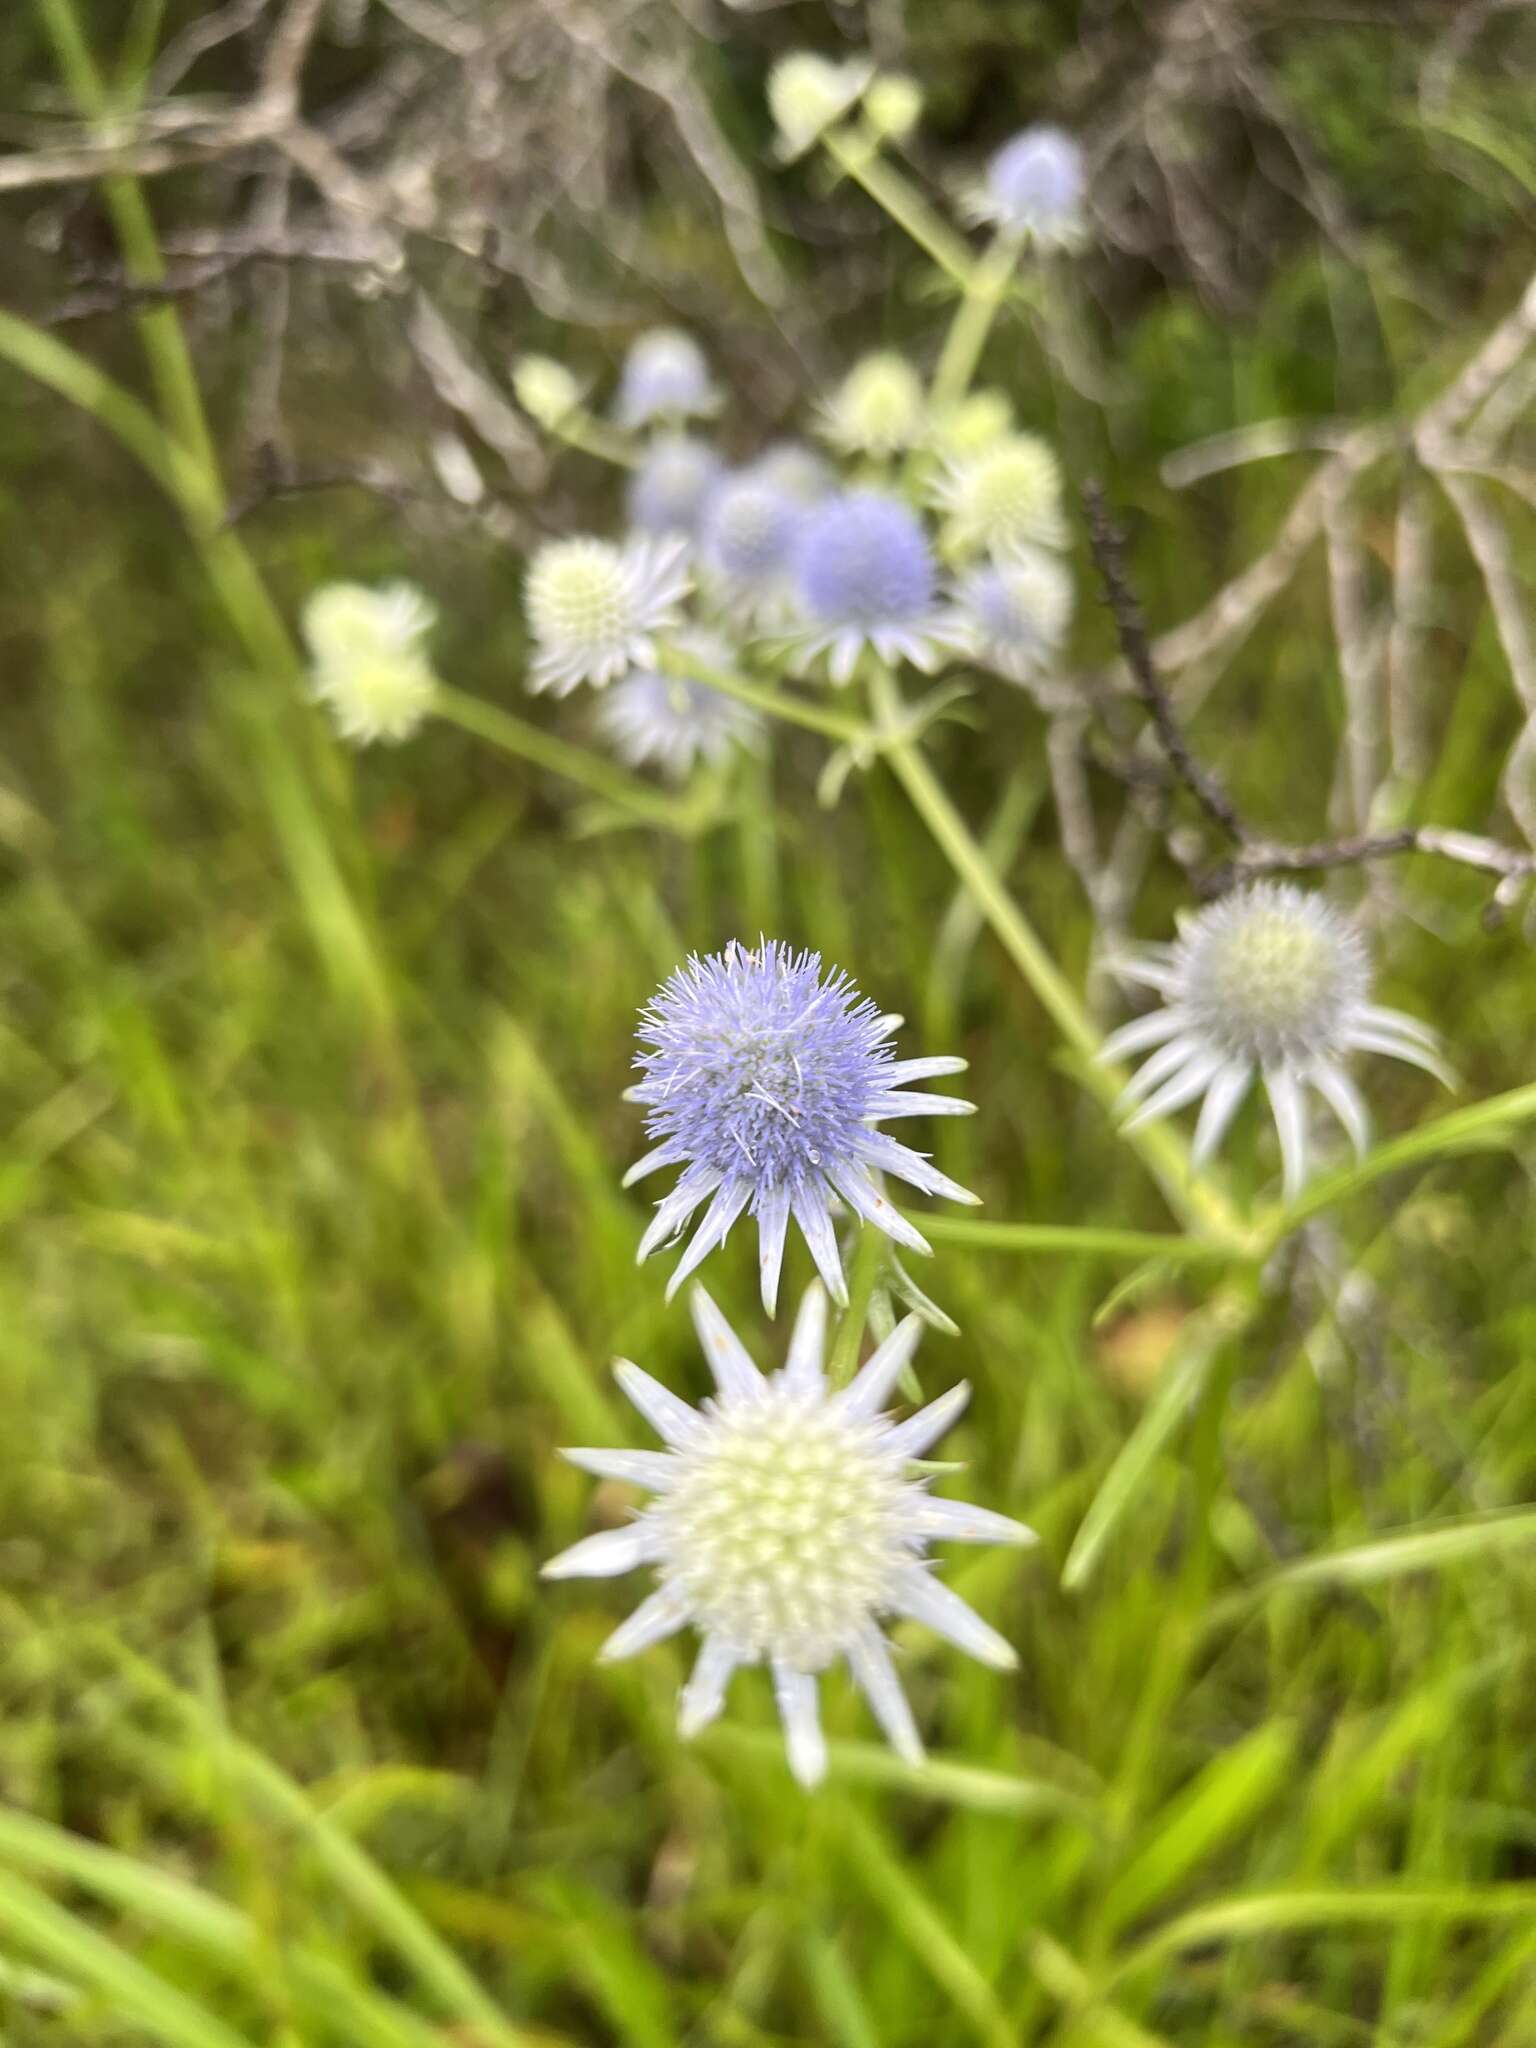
pixel 311 1073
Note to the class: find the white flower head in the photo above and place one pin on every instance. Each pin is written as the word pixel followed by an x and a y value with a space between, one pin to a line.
pixel 786 1524
pixel 1268 981
pixel 595 609
pixel 1005 496
pixel 879 409
pixel 808 94
pixel 671 722
pixel 368 665
pixel 1035 189
pixel 1012 614
pixel 665 377
pixel 545 389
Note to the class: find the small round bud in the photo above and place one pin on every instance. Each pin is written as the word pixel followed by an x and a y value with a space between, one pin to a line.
pixel 368 666
pixel 879 409
pixel 893 106
pixel 545 389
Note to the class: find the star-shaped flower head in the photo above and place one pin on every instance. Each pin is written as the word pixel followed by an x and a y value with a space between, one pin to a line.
pixel 787 1524
pixel 1012 614
pixel 595 609
pixel 1003 497
pixel 764 1081
pixel 672 485
pixel 673 722
pixel 1035 189
pixel 1268 981
pixel 880 409
pixel 808 94
pixel 864 576
pixel 665 377
pixel 369 667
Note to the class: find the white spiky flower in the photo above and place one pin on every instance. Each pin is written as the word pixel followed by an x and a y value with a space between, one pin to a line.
pixel 368 665
pixel 1269 981
pixel 545 389
pixel 665 377
pixel 1012 615
pixel 879 409
pixel 1003 497
pixel 787 1524
pixel 808 94
pixel 595 609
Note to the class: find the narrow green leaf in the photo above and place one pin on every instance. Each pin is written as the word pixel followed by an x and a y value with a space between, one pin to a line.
pixel 1217 1805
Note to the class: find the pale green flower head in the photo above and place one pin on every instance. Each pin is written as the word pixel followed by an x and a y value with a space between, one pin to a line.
pixel 808 94
pixel 368 665
pixel 1005 497
pixel 893 106
pixel 879 409
pixel 545 389
pixel 972 425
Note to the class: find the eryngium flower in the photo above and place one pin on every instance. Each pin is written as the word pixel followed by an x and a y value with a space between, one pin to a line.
pixel 368 666
pixel 791 467
pixel 747 536
pixel 669 490
pixel 864 577
pixel 673 721
pixel 1268 981
pixel 971 425
pixel 595 609
pixel 664 377
pixel 763 1082
pixel 787 1524
pixel 1012 615
pixel 1003 497
pixel 879 409
pixel 808 94
pixel 1034 189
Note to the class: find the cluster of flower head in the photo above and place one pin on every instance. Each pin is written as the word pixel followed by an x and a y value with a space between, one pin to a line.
pixel 789 1517
pixel 924 531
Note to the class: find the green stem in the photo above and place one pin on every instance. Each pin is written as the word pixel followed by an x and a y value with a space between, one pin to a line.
pixel 581 429
pixel 859 157
pixel 763 697
pixel 489 722
pixel 1157 1144
pixel 973 320
pixel 868 1264
pixel 1086 1241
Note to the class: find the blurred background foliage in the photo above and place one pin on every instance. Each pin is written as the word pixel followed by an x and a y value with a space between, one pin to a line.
pixel 310 1067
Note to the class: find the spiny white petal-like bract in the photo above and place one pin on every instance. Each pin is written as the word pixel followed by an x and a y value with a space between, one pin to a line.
pixel 595 608
pixel 1272 982
pixel 368 666
pixel 764 1080
pixel 786 1523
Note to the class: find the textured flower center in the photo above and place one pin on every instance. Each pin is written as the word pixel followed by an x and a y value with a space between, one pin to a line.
pixel 785 1527
pixel 1271 975
pixel 578 593
pixel 862 560
pixel 1011 494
